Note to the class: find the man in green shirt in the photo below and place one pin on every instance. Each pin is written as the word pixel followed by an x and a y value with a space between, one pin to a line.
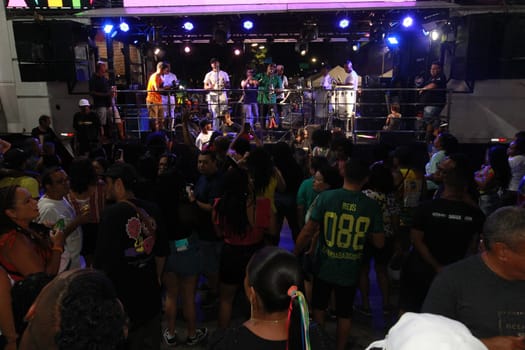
pixel 269 86
pixel 343 219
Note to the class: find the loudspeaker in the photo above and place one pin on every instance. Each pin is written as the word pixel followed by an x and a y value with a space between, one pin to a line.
pixel 396 138
pixel 45 50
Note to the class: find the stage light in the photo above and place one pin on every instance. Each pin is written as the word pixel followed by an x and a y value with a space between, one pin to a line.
pixel 108 28
pixel 407 21
pixel 237 51
pixel 135 42
pixel 113 34
pixel 344 23
pixel 247 24
pixel 301 48
pixel 187 48
pixel 124 27
pixel 355 47
pixel 157 51
pixel 188 26
pixel 392 40
pixel 435 35
pixel 255 44
pixel 262 47
pixel 314 60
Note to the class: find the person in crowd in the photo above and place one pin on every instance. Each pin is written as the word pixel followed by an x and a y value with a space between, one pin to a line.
pixel 131 249
pixel 43 132
pixel 215 81
pixel 285 201
pixel 344 217
pixel 267 180
pixel 13 172
pixel 279 315
pixel 100 164
pixel 228 125
pixel 380 187
pixel 180 276
pixel 4 147
pixel 269 86
pixel 241 220
pixel 87 127
pixel 204 136
pixel 493 178
pixel 461 162
pixel 33 147
pixel 444 231
pixel 516 153
pixel 208 187
pixel 154 97
pixel 49 157
pixel 249 103
pixel 321 142
pixel 169 82
pixel 393 120
pixel 327 81
pixel 444 144
pixel 306 193
pixel 54 209
pixel 301 140
pixel 102 95
pixel 433 332
pixel 340 151
pixel 25 247
pixel 484 291
pixel 87 194
pixel 78 309
pixel 433 97
pixel 8 335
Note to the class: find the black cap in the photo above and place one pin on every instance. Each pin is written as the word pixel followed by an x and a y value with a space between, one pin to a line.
pixel 124 171
pixel 213 60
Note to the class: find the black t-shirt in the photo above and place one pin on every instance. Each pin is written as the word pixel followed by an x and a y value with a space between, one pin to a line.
pixel 469 292
pixel 449 227
pixel 437 96
pixel 49 134
pixel 126 254
pixel 100 84
pixel 206 190
pixel 87 126
pixel 242 338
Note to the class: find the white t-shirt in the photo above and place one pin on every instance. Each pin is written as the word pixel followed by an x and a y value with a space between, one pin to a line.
pixel 51 211
pixel 327 82
pixel 352 79
pixel 167 81
pixel 202 139
pixel 218 80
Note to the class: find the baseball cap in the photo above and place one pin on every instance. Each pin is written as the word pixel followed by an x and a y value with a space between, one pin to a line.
pixel 124 171
pixel 83 103
pixel 213 60
pixel 430 332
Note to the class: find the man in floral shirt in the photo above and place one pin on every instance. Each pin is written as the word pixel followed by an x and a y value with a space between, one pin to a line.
pixel 131 249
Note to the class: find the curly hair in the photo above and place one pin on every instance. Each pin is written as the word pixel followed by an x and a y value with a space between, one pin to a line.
pixel 91 316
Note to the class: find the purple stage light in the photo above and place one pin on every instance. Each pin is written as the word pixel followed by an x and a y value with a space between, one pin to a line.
pixel 344 23
pixel 248 25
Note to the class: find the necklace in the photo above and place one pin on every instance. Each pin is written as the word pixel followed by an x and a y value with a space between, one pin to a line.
pixel 269 321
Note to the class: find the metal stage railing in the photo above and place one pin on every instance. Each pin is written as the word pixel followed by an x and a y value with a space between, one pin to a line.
pixel 360 114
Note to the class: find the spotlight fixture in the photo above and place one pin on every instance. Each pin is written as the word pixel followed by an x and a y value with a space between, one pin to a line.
pixel 187 48
pixel 188 26
pixel 108 28
pixel 344 23
pixel 157 51
pixel 309 31
pixel 435 35
pixel 392 40
pixel 124 27
pixel 301 47
pixel 237 51
pixel 355 47
pixel 407 21
pixel 247 24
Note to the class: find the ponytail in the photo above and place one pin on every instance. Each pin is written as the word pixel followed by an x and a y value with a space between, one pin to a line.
pixel 298 321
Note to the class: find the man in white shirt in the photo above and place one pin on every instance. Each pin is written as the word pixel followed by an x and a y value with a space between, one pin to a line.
pixel 54 207
pixel 204 136
pixel 215 80
pixel 169 81
pixel 352 78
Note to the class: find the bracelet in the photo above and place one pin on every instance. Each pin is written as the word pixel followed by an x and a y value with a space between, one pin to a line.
pixel 58 249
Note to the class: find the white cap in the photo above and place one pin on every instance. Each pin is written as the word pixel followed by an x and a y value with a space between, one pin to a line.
pixel 430 332
pixel 83 103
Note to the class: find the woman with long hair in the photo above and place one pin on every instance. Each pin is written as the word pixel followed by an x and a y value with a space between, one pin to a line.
pixel 279 315
pixel 242 219
pixel 26 248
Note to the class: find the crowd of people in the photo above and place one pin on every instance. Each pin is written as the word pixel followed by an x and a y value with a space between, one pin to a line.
pixel 121 233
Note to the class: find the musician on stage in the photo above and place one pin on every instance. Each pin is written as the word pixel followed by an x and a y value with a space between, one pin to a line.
pixel 269 85
pixel 216 80
pixel 154 98
pixel 352 78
